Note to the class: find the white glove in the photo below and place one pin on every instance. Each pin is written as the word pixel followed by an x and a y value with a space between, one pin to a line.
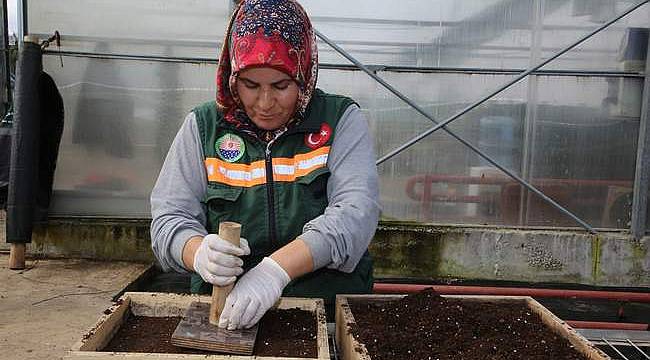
pixel 217 261
pixel 253 295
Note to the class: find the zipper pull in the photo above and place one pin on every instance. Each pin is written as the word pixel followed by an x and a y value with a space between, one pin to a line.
pixel 268 148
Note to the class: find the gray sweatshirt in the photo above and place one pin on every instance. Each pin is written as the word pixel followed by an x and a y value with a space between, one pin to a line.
pixel 337 238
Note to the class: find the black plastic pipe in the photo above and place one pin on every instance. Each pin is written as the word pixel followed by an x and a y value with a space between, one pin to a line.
pixel 23 169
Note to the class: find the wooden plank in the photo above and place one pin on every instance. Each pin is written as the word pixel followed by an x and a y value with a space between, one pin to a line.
pixel 197 331
pixel 105 328
pixel 166 304
pixel 318 306
pixel 91 355
pixel 351 349
pixel 161 304
pixel 563 329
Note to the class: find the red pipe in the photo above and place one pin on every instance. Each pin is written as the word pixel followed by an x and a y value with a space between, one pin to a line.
pixel 606 325
pixel 386 288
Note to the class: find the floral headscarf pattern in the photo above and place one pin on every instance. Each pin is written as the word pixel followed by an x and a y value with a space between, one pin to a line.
pixel 273 33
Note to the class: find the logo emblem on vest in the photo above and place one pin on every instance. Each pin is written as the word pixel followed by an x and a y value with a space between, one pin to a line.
pixel 318 139
pixel 230 147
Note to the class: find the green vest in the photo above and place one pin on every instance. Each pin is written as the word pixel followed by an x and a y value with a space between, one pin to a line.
pixel 274 209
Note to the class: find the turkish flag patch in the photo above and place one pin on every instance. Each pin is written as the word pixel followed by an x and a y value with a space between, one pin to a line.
pixel 318 139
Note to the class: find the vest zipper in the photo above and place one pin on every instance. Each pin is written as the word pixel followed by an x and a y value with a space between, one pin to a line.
pixel 270 193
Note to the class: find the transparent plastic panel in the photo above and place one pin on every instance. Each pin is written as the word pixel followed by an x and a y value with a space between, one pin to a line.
pixel 439 179
pixel 491 34
pixel 441 95
pixel 182 28
pixel 423 32
pixel 583 150
pixel 476 34
pixel 482 34
pixel 574 138
pixel 120 119
pixel 620 47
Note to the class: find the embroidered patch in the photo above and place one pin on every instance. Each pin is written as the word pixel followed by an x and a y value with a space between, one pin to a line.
pixel 318 139
pixel 230 147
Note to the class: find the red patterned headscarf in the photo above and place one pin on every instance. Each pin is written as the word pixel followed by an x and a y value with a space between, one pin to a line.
pixel 273 33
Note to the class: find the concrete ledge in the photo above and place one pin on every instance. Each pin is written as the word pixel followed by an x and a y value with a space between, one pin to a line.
pixel 98 239
pixel 406 250
pixel 490 253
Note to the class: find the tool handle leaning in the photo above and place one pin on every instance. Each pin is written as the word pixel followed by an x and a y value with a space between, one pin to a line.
pixel 17 257
pixel 231 232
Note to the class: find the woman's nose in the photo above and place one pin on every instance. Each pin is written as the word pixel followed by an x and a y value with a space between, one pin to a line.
pixel 266 100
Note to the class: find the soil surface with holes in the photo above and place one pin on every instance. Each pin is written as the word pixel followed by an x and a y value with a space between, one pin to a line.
pixel 285 332
pixel 427 326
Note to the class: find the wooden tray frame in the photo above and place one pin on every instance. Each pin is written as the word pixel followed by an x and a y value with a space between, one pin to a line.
pixel 350 349
pixel 166 304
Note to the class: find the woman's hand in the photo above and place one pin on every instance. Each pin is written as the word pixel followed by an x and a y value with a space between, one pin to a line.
pixel 217 260
pixel 253 295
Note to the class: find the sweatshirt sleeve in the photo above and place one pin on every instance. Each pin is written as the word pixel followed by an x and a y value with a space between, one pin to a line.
pixel 338 238
pixel 176 208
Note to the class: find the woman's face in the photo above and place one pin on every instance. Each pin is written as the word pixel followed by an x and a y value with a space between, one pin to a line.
pixel 269 96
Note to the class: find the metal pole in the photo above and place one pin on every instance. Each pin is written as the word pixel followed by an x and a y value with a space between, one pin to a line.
pixel 463 141
pixel 21 21
pixel 530 120
pixel 642 173
pixel 615 349
pixel 107 56
pixel 24 17
pixel 506 86
pixel 4 71
pixel 344 67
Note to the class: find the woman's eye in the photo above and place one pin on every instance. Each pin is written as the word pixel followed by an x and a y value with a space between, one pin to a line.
pixel 250 85
pixel 282 86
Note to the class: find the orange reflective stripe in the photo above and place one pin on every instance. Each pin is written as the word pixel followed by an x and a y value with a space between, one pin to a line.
pixel 235 174
pixel 284 169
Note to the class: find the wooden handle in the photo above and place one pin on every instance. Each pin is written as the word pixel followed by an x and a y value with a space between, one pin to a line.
pixel 231 232
pixel 17 257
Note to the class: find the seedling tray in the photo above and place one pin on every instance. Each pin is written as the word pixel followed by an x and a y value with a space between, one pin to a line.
pixel 351 349
pixel 174 305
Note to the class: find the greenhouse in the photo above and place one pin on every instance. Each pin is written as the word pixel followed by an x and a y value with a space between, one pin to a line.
pixel 510 139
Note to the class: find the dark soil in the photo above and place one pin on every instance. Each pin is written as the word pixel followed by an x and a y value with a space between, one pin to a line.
pixel 286 332
pixel 427 326
pixel 143 334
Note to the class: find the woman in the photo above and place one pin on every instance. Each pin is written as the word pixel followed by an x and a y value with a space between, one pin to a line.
pixel 294 165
